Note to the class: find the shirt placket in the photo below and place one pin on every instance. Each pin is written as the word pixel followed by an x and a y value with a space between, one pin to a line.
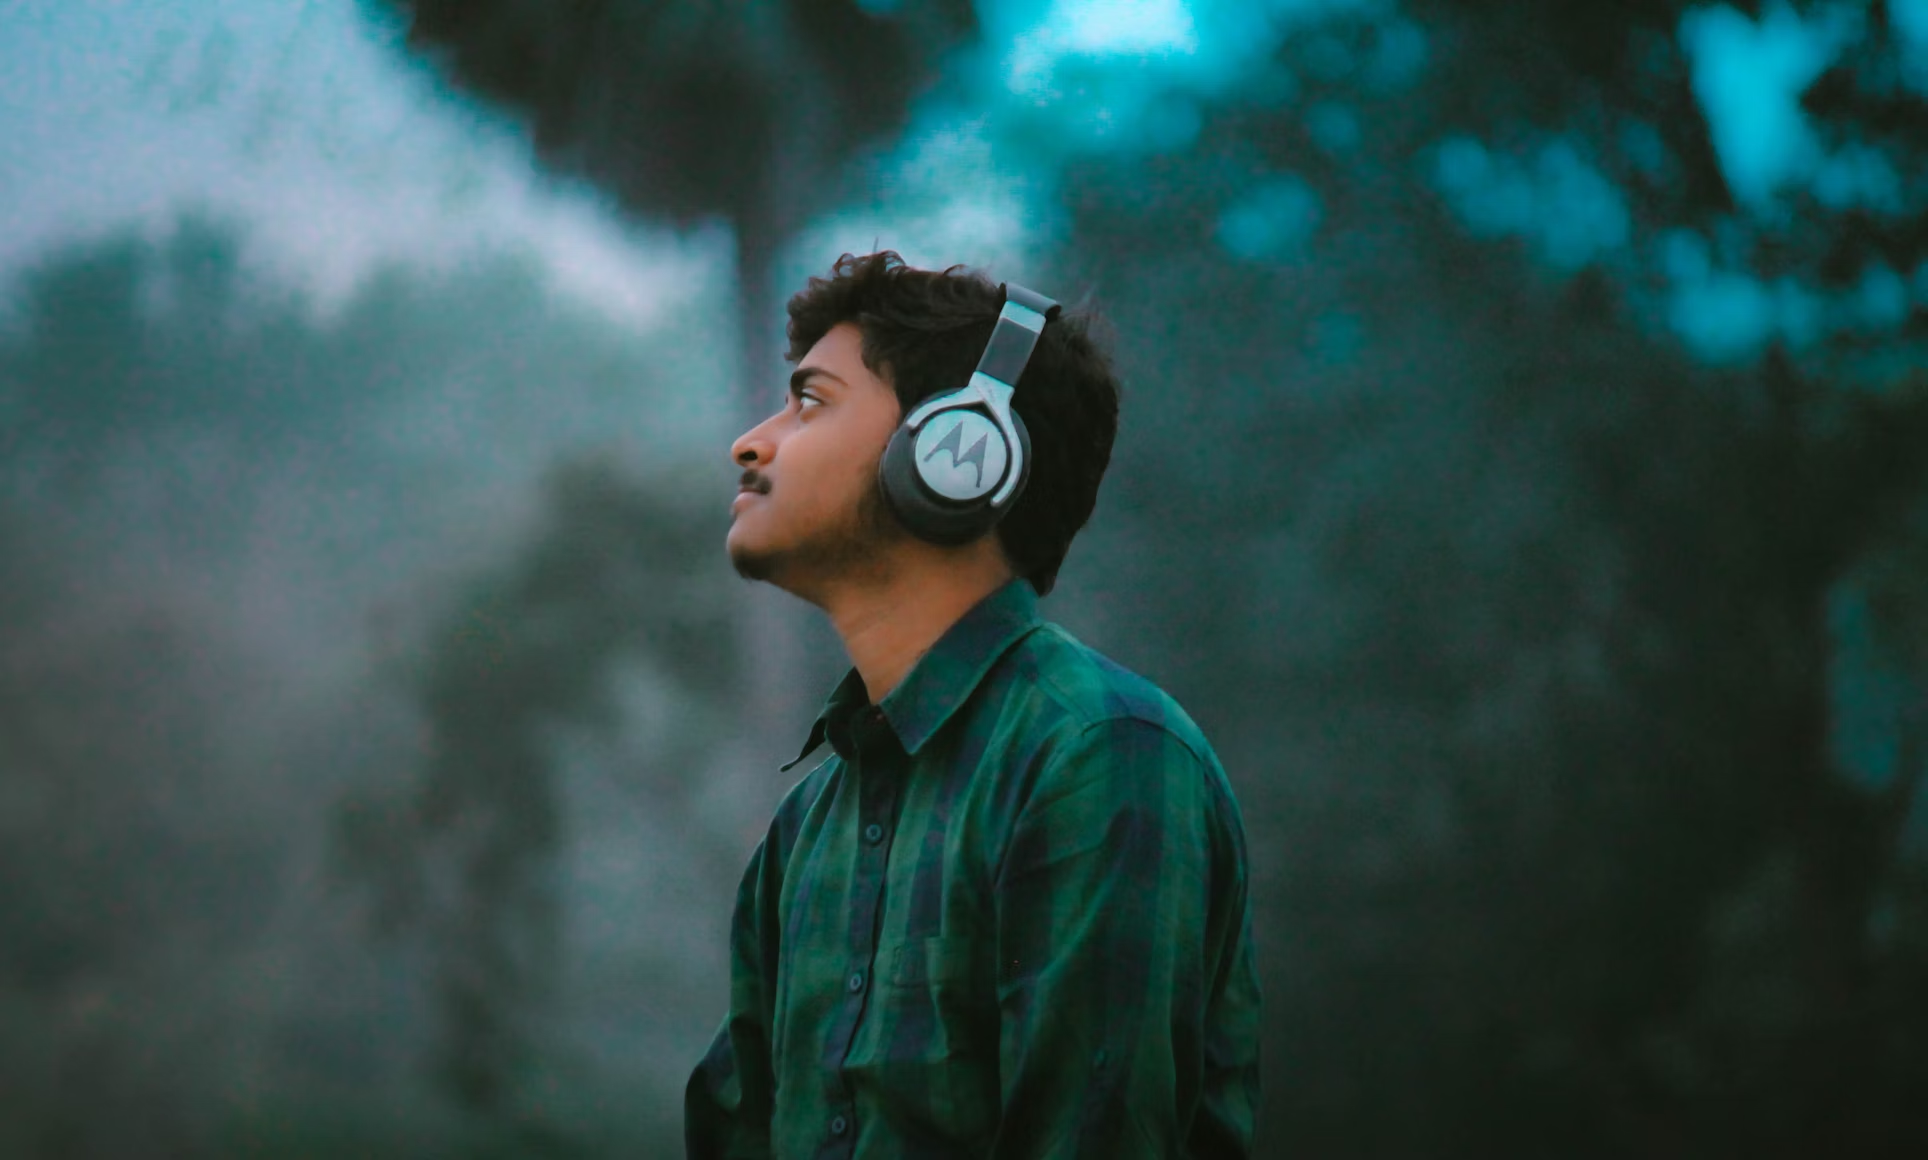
pixel 876 775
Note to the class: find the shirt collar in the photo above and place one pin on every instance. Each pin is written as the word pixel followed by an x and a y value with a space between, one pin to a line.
pixel 943 678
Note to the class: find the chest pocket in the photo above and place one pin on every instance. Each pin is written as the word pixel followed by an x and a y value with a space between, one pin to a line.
pixel 929 1044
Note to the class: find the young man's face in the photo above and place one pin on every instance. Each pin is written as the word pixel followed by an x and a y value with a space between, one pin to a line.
pixel 810 509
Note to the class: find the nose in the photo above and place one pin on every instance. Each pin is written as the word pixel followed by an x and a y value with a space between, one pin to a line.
pixel 755 447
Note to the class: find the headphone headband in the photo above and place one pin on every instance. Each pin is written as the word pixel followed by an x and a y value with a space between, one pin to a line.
pixel 1019 324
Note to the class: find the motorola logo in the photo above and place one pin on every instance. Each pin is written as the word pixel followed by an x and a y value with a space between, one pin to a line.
pixel 961 454
pixel 955 440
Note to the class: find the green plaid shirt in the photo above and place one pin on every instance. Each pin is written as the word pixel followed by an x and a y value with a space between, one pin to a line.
pixel 1007 917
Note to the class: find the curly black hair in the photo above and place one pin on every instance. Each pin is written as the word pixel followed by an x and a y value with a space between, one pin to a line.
pixel 923 331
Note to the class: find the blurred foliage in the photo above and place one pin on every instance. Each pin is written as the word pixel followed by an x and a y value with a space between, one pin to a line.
pixel 196 476
pixel 110 752
pixel 619 570
pixel 1537 745
pixel 698 109
pixel 689 110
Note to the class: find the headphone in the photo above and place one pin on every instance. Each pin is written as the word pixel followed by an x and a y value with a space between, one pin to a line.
pixel 959 461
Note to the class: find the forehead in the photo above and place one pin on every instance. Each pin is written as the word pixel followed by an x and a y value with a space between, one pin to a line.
pixel 841 352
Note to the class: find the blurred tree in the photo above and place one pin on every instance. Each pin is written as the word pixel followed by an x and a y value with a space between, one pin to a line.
pixel 1543 732
pixel 125 349
pixel 198 477
pixel 135 849
pixel 109 748
pixel 462 854
pixel 741 110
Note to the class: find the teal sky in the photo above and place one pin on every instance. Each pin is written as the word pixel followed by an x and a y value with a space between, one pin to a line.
pixel 293 119
pixel 298 121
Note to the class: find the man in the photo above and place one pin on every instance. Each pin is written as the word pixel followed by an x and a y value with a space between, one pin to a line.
pixel 1007 915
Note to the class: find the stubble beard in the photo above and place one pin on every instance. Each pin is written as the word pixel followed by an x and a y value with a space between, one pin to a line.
pixel 849 549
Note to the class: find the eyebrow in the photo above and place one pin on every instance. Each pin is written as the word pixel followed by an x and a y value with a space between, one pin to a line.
pixel 802 375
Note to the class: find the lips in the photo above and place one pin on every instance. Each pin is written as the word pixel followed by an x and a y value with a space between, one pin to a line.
pixel 751 482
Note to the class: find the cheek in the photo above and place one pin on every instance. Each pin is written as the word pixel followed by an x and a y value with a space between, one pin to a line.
pixel 847 462
pixel 845 488
pixel 820 481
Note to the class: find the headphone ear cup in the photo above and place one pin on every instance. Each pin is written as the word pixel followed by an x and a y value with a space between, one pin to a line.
pixel 925 514
pixel 1024 465
pixel 897 475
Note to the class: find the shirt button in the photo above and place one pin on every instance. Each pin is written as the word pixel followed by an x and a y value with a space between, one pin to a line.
pixel 855 982
pixel 873 833
pixel 839 1126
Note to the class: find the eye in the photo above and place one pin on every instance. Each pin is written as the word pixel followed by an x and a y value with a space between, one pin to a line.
pixel 807 396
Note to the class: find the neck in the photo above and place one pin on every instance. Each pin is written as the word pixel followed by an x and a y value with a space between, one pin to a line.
pixel 889 621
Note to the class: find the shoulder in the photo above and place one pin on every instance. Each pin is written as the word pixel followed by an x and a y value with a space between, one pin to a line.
pixel 1080 696
pixel 1068 720
pixel 1092 750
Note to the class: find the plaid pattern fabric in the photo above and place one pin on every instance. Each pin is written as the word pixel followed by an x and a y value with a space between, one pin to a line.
pixel 1006 917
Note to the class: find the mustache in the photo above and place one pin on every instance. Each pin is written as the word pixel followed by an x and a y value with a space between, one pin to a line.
pixel 754 481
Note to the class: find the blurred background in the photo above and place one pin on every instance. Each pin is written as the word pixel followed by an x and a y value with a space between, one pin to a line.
pixel 1523 478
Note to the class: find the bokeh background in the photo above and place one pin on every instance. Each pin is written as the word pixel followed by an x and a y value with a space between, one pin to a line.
pixel 1523 478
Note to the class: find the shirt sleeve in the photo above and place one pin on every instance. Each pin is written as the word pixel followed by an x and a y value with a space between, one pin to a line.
pixel 730 1097
pixel 1128 994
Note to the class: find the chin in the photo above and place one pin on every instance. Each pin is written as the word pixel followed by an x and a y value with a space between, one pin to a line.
pixel 750 567
pixel 750 562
